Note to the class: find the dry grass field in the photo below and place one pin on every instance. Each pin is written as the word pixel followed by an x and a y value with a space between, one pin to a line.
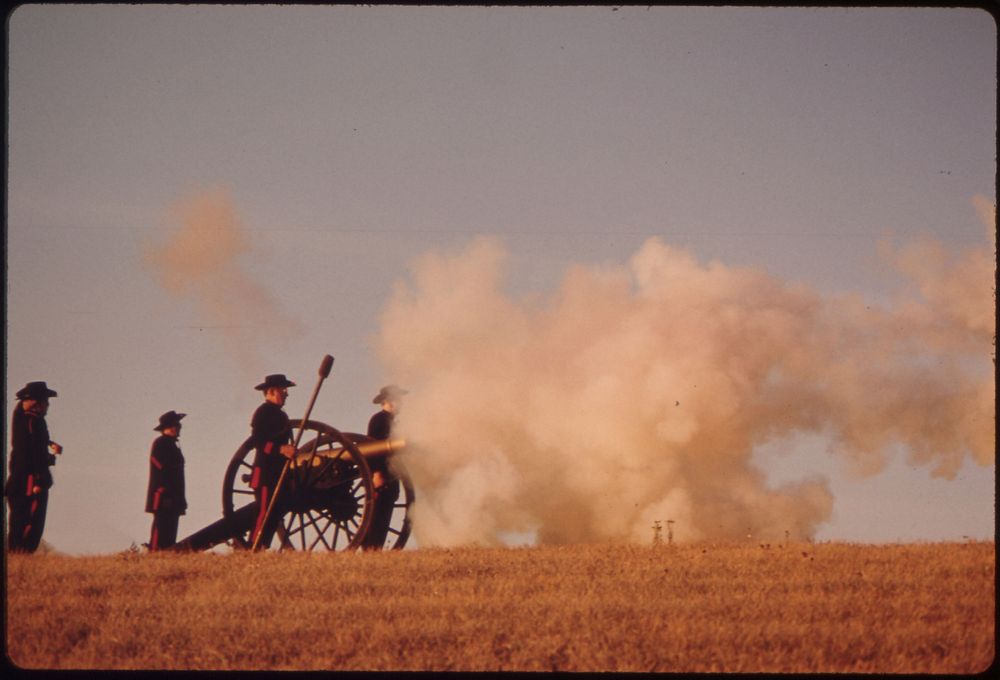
pixel 917 608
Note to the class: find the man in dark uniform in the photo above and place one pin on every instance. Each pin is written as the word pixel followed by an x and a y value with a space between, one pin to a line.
pixel 386 485
pixel 165 496
pixel 29 479
pixel 272 437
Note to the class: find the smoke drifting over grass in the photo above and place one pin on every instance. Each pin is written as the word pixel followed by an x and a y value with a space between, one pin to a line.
pixel 638 393
pixel 201 260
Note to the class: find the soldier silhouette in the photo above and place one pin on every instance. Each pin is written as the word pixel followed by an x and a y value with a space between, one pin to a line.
pixel 386 485
pixel 29 478
pixel 165 496
pixel 272 435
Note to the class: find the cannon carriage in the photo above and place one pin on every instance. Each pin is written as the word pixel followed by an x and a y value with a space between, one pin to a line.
pixel 328 498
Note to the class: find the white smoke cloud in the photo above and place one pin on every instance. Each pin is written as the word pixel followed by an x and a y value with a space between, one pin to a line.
pixel 203 260
pixel 638 392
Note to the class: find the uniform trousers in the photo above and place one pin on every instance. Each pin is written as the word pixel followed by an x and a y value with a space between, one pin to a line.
pixel 263 494
pixel 26 516
pixel 163 534
pixel 385 501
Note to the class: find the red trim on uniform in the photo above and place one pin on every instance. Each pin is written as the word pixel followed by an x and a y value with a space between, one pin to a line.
pixel 154 540
pixel 158 464
pixel 34 507
pixel 260 513
pixel 156 498
pixel 31 485
pixel 255 479
pixel 268 447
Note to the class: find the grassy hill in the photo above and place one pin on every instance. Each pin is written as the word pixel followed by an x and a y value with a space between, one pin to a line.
pixel 918 608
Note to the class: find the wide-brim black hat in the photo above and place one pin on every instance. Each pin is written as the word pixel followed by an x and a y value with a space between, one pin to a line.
pixel 169 419
pixel 275 380
pixel 36 390
pixel 389 392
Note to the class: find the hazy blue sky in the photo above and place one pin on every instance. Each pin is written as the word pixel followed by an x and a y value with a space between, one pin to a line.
pixel 351 140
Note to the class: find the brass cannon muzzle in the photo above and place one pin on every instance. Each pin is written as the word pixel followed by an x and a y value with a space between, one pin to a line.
pixel 381 447
pixel 378 447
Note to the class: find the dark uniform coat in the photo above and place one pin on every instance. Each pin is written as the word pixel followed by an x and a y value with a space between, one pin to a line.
pixel 165 495
pixel 166 477
pixel 380 425
pixel 270 428
pixel 29 467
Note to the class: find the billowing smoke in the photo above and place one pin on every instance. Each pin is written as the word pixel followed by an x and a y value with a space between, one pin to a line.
pixel 638 392
pixel 202 260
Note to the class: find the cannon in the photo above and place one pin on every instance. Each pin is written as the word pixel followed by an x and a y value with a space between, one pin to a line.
pixel 328 498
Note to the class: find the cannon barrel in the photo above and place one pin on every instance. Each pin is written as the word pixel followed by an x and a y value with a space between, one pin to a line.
pixel 380 447
pixel 369 449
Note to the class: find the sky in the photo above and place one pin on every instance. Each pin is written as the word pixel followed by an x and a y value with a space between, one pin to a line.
pixel 551 224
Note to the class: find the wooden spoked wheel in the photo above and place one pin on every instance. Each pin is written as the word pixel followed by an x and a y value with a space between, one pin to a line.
pixel 327 505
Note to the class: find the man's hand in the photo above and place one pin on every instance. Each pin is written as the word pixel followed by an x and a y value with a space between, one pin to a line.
pixel 378 481
pixel 55 448
pixel 287 450
pixel 35 490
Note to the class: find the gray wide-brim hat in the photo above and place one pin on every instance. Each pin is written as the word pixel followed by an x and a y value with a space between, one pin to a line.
pixel 169 419
pixel 275 380
pixel 36 390
pixel 392 392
